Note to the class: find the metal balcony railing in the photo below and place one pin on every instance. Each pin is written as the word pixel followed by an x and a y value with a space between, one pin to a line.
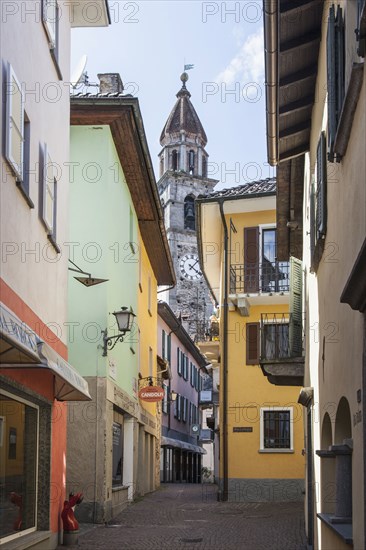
pixel 281 336
pixel 260 277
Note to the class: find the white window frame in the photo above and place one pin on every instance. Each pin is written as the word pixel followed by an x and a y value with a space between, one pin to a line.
pixel 50 23
pixel 264 449
pixel 31 529
pixel 48 190
pixel 12 124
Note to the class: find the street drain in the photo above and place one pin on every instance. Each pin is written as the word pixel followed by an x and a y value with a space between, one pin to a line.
pixel 192 540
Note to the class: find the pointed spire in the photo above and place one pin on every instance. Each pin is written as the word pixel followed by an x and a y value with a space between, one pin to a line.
pixel 183 118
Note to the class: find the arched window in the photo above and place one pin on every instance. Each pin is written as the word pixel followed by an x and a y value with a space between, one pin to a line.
pixel 204 167
pixel 191 159
pixel 175 160
pixel 189 213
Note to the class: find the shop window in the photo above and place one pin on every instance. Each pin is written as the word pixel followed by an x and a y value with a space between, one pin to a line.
pixel 18 466
pixel 117 449
pixel 276 429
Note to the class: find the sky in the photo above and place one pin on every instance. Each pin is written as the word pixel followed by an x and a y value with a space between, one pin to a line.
pixel 149 42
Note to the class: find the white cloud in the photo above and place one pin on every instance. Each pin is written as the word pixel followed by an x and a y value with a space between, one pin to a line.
pixel 248 64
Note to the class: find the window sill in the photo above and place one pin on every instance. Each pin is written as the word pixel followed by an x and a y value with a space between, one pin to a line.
pixel 343 530
pixel 118 488
pixel 25 194
pixel 54 244
pixel 276 451
pixel 28 541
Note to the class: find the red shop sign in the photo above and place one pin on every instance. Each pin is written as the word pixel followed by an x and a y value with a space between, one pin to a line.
pixel 152 394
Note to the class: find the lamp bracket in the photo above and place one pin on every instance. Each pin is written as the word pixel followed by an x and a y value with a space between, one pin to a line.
pixel 110 341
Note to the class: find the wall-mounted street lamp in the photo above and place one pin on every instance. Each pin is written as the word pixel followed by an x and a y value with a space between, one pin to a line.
pixel 124 319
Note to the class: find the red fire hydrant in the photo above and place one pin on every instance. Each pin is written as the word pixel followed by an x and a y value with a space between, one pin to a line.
pixel 70 523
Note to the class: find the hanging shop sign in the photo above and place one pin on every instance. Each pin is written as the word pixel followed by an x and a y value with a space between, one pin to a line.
pixel 152 394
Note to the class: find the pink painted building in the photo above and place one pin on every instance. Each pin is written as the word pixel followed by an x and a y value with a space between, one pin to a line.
pixel 181 452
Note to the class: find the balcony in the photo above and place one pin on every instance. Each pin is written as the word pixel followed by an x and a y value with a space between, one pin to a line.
pixel 257 283
pixel 281 357
pixel 205 399
pixel 206 436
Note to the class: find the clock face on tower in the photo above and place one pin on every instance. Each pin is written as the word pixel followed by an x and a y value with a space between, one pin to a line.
pixel 190 268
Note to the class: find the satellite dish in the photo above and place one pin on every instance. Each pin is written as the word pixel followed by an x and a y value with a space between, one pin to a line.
pixel 79 71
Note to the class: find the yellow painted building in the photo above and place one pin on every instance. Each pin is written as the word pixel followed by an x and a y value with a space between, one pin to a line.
pixel 145 345
pixel 261 424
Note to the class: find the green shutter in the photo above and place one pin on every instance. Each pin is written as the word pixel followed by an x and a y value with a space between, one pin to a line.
pixel 295 328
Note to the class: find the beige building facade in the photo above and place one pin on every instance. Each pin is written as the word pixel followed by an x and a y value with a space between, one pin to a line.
pixel 316 124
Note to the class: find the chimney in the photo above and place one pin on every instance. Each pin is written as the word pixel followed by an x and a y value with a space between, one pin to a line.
pixel 110 83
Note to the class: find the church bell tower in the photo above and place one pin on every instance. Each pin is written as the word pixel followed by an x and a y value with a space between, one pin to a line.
pixel 183 177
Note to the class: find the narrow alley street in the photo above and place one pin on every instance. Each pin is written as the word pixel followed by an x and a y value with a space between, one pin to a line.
pixel 190 517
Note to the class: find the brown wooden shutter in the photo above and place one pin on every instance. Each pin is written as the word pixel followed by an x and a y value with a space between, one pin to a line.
pixel 251 259
pixel 252 344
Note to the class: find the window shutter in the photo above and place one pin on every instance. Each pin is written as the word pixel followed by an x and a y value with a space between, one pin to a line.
pixel 252 343
pixel 169 342
pixel 14 123
pixel 163 344
pixel 335 75
pixel 251 259
pixel 331 77
pixel 295 326
pixel 48 191
pixel 178 361
pixel 360 38
pixel 321 192
pixel 312 226
pixel 340 60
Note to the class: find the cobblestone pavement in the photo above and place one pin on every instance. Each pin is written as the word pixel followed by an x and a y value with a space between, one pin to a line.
pixel 189 516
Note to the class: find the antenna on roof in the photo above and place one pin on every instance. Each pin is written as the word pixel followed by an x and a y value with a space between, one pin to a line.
pixel 79 74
